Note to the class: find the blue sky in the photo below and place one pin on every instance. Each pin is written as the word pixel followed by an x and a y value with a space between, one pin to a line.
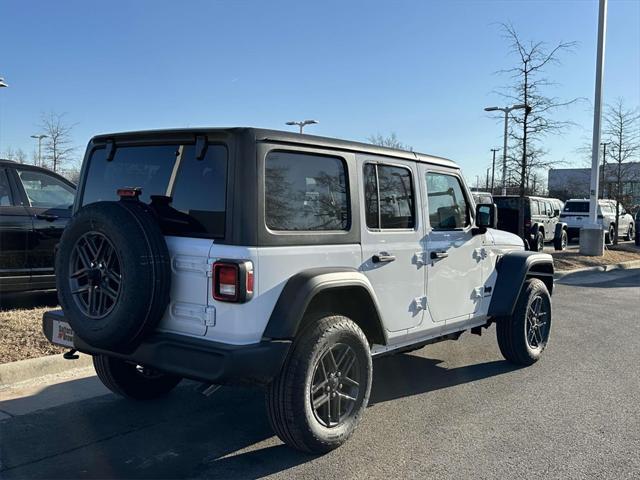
pixel 422 69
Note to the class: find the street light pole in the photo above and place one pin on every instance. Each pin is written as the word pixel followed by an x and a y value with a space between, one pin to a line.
pixel 506 111
pixel 302 123
pixel 604 164
pixel 39 138
pixel 493 168
pixel 3 84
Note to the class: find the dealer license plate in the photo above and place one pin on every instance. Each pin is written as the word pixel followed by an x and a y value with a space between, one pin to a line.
pixel 62 334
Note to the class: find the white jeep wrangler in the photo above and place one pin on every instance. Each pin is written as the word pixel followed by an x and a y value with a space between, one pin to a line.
pixel 247 255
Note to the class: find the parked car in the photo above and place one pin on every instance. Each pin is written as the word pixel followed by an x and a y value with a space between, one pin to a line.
pixel 287 260
pixel 35 206
pixel 576 214
pixel 637 230
pixel 541 220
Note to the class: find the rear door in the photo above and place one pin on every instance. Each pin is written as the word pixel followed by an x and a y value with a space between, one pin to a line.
pixel 49 201
pixel 189 197
pixel 392 239
pixel 15 230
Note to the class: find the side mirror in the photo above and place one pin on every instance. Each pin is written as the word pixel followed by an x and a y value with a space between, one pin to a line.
pixel 486 216
pixel 556 213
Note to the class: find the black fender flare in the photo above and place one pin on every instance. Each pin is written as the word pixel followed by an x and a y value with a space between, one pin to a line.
pixel 513 269
pixel 303 287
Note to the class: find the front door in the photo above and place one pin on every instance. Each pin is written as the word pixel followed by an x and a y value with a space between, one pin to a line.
pixel 391 239
pixel 454 254
pixel 15 230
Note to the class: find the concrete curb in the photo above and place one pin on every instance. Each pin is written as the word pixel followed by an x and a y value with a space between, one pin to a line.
pixel 600 268
pixel 37 367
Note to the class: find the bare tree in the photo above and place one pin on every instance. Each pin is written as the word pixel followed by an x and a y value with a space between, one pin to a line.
pixel 15 155
pixel 390 141
pixel 622 131
pixel 58 148
pixel 529 86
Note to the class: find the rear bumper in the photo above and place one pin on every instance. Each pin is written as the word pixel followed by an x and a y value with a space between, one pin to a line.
pixel 190 357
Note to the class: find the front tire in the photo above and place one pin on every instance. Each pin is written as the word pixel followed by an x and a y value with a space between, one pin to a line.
pixel 133 381
pixel 523 336
pixel 610 235
pixel 317 401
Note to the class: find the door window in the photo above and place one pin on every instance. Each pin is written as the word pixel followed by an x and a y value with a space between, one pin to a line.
pixel 5 191
pixel 45 190
pixel 448 207
pixel 388 197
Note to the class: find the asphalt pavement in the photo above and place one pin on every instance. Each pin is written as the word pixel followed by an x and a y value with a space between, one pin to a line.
pixel 450 410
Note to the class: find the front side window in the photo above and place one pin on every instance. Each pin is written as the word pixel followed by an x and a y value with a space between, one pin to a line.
pixel 448 208
pixel 193 204
pixel 46 191
pixel 388 197
pixel 305 192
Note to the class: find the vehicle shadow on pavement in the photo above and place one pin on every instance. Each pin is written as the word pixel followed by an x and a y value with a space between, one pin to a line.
pixel 187 434
pixel 10 301
pixel 399 376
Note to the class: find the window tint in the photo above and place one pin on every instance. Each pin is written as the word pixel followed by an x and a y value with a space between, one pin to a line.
pixel 45 190
pixel 535 207
pixel 193 205
pixel 447 206
pixel 305 192
pixel 576 207
pixel 5 191
pixel 388 197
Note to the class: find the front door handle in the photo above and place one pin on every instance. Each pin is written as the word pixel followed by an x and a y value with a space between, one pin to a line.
pixel 383 257
pixel 47 216
pixel 436 255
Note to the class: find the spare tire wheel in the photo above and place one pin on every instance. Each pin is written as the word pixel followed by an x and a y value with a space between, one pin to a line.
pixel 113 273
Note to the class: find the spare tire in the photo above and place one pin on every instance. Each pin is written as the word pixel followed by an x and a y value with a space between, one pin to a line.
pixel 113 274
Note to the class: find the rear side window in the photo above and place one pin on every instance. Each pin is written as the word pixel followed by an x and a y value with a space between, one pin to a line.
pixel 448 207
pixel 189 195
pixel 5 191
pixel 46 191
pixel 576 207
pixel 388 197
pixel 305 192
pixel 535 207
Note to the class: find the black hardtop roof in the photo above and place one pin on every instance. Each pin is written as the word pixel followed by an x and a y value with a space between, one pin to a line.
pixel 526 196
pixel 278 136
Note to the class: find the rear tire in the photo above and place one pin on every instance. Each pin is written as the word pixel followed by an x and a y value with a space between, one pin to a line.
pixel 326 377
pixel 561 243
pixel 523 336
pixel 133 381
pixel 629 232
pixel 538 242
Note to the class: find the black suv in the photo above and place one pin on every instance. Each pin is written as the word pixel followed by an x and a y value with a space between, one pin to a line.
pixel 35 206
pixel 541 220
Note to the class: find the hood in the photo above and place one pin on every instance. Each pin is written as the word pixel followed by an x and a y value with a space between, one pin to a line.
pixel 502 238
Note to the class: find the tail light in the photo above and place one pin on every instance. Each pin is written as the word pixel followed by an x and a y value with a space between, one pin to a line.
pixel 527 223
pixel 232 280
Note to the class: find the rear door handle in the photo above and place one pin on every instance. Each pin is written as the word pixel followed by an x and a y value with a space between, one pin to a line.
pixel 436 255
pixel 46 216
pixel 383 257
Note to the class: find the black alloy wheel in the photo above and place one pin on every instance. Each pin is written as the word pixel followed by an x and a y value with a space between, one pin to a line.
pixel 95 275
pixel 537 324
pixel 336 385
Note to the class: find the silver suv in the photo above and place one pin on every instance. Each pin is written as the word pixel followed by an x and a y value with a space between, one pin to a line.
pixel 290 261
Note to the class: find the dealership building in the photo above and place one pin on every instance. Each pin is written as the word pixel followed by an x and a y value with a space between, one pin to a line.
pixel 565 183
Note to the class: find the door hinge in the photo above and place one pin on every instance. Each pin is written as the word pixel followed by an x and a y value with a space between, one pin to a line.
pixel 478 292
pixel 420 303
pixel 480 253
pixel 206 315
pixel 187 263
pixel 420 259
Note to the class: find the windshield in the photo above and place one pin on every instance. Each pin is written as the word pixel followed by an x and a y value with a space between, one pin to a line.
pixel 189 195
